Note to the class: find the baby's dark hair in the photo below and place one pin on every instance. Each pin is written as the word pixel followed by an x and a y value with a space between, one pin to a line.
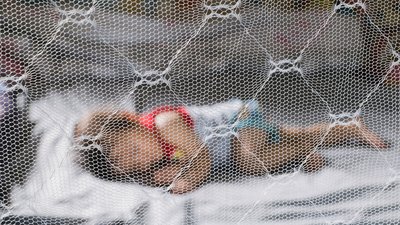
pixel 95 136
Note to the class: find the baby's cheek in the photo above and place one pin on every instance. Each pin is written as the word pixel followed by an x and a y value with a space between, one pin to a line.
pixel 149 151
pixel 144 161
pixel 122 160
pixel 149 155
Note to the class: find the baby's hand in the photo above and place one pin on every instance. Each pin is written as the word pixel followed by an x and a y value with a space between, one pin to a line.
pixel 166 175
pixel 182 186
pixel 170 176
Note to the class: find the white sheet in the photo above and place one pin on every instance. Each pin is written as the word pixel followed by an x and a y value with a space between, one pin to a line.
pixel 360 185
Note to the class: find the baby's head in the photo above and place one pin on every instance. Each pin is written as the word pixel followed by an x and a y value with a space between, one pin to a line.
pixel 114 146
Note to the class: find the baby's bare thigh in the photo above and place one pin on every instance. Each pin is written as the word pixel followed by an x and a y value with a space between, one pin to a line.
pixel 254 139
pixel 254 154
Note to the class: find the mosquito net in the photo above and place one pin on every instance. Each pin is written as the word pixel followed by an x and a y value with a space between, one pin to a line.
pixel 199 112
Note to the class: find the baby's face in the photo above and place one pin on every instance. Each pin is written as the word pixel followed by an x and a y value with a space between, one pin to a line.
pixel 135 151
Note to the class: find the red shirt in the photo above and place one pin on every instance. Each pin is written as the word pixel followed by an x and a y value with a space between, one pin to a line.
pixel 148 120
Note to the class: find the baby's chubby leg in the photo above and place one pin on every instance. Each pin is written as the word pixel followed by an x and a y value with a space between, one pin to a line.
pixel 255 155
pixel 356 131
pixel 338 134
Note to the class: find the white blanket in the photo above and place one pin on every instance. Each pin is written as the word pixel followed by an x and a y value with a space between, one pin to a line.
pixel 359 185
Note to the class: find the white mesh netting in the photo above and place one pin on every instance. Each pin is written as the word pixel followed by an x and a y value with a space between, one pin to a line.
pixel 200 112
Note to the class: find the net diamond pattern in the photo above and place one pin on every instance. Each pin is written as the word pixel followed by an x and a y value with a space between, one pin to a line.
pixel 199 112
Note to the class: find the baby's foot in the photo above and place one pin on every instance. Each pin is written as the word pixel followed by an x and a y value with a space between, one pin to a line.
pixel 314 163
pixel 369 137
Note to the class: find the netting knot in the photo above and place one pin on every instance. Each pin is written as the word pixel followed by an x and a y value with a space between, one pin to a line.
pixel 86 142
pixel 285 66
pixel 345 119
pixel 223 11
pixel 396 61
pixel 349 4
pixel 152 78
pixel 77 16
pixel 14 83
pixel 222 130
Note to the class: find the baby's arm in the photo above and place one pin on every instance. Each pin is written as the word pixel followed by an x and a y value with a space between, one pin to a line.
pixel 195 155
